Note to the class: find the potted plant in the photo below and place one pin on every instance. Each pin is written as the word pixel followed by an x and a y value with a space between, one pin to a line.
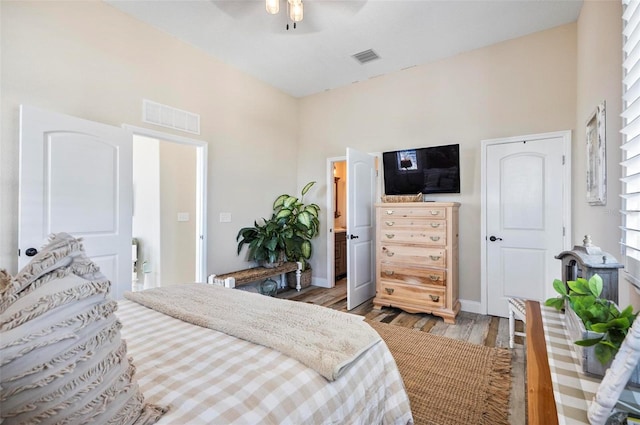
pixel 302 223
pixel 596 324
pixel 266 241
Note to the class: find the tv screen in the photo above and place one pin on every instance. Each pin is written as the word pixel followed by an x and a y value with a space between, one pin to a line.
pixel 434 169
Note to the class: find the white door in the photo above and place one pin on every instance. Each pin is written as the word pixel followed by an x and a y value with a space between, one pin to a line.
pixel 525 212
pixel 361 190
pixel 75 177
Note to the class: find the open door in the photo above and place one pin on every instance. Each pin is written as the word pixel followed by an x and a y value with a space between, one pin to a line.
pixel 361 191
pixel 75 177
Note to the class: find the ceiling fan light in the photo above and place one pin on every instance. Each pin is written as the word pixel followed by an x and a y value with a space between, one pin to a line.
pixel 296 12
pixel 294 2
pixel 273 6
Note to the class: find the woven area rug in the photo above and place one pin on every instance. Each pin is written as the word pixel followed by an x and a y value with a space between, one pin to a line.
pixel 450 382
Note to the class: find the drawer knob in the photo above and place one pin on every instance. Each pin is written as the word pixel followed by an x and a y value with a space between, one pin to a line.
pixel 389 223
pixel 389 290
pixel 435 212
pixel 434 277
pixel 435 257
pixel 390 253
pixel 435 238
pixel 435 225
pixel 435 298
pixel 390 235
pixel 389 212
pixel 389 272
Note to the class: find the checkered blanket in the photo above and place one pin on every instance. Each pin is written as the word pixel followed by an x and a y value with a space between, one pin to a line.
pixel 208 377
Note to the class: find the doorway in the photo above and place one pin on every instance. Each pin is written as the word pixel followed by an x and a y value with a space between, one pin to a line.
pixel 351 210
pixel 526 216
pixel 168 226
pixel 336 220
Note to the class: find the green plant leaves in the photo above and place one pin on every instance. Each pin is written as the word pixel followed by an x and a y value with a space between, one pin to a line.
pixel 559 286
pixel 604 352
pixel 557 303
pixel 306 188
pixel 289 230
pixel 597 314
pixel 579 286
pixel 595 285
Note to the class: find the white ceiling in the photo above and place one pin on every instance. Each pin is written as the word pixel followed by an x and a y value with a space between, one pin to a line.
pixel 317 55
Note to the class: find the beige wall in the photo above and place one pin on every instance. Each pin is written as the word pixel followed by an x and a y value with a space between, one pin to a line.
pixel 523 86
pixel 599 65
pixel 177 195
pixel 90 60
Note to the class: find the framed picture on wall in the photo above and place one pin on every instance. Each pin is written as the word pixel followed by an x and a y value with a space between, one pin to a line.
pixel 596 157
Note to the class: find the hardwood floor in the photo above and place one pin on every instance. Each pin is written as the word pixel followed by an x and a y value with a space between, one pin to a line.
pixel 489 331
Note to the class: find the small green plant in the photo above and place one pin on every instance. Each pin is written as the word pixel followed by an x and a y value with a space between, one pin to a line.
pixel 597 314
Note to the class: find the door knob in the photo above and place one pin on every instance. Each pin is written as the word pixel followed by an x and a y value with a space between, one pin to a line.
pixel 30 252
pixel 353 237
pixel 493 239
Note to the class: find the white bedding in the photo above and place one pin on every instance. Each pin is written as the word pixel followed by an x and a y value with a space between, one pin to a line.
pixel 207 377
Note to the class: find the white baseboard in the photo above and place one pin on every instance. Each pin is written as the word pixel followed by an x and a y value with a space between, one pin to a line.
pixel 472 307
pixel 322 282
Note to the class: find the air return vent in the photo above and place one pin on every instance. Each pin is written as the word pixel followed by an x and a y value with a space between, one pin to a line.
pixel 167 116
pixel 366 56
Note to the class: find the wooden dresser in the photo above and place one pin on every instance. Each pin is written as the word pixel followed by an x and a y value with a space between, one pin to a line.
pixel 417 257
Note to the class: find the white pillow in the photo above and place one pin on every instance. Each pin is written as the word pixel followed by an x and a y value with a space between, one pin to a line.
pixel 61 355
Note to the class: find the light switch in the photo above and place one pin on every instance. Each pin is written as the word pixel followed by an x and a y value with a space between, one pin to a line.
pixel 183 216
pixel 225 217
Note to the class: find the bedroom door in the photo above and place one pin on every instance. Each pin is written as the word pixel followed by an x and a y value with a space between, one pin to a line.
pixel 75 177
pixel 361 191
pixel 525 206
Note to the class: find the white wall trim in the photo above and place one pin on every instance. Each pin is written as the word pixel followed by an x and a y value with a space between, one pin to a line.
pixel 201 189
pixel 566 141
pixel 471 306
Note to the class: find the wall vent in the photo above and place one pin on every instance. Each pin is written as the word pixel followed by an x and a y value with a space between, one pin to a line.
pixel 366 56
pixel 167 116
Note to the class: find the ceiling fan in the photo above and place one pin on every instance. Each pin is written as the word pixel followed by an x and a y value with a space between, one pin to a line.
pixel 305 16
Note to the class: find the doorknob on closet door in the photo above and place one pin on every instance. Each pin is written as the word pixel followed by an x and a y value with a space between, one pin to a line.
pixel 493 238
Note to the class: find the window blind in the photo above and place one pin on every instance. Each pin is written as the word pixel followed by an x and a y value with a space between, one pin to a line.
pixel 631 140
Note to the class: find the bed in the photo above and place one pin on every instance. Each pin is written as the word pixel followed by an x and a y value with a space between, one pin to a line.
pixel 205 376
pixel 70 353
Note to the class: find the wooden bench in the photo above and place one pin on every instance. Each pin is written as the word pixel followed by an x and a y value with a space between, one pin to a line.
pixel 243 277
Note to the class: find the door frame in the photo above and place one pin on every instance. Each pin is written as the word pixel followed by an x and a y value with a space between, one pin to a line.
pixel 330 205
pixel 201 190
pixel 566 195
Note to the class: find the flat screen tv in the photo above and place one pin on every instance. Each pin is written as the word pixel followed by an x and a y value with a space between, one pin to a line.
pixel 434 169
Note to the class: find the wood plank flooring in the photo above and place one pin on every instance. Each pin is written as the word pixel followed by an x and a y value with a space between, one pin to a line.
pixel 479 329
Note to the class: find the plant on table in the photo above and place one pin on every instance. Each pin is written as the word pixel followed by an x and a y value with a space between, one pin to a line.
pixel 266 241
pixel 597 314
pixel 301 222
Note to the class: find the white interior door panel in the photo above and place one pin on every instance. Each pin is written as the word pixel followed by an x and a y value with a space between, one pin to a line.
pixel 75 177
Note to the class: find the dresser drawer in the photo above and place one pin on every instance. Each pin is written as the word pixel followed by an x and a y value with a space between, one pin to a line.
pixel 428 296
pixel 435 212
pixel 414 236
pixel 392 223
pixel 417 255
pixel 412 275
